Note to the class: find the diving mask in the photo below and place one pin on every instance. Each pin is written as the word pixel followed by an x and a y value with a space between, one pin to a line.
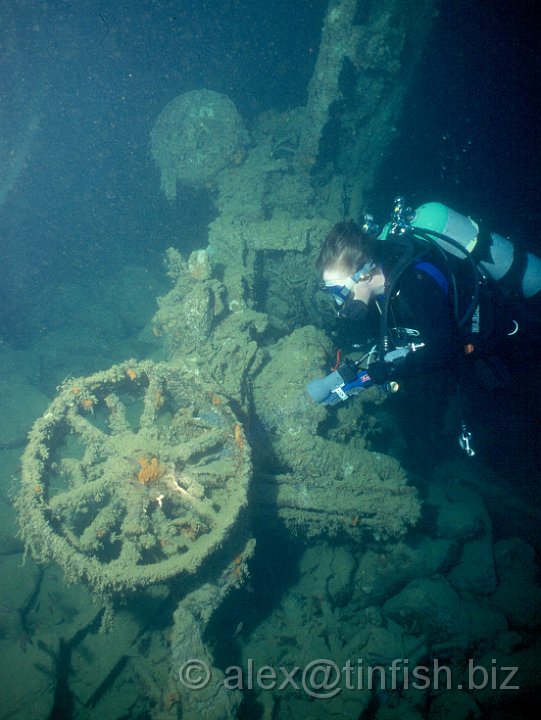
pixel 340 293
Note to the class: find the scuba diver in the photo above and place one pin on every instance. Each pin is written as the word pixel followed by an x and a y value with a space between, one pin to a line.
pixel 435 297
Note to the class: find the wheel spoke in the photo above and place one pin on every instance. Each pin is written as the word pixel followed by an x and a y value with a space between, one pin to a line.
pixel 116 418
pixel 75 497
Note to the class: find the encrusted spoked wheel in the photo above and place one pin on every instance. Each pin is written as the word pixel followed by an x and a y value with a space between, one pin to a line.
pixel 132 476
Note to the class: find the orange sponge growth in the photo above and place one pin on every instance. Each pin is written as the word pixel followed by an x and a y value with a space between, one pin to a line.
pixel 150 470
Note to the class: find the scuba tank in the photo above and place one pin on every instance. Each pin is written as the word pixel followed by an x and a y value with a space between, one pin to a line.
pixel 516 272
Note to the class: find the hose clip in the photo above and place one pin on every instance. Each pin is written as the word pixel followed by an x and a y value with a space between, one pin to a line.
pixel 464 441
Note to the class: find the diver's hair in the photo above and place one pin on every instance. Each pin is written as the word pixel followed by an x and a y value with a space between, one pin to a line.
pixel 346 245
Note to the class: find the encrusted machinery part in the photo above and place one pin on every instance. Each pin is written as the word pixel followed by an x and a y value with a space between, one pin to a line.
pixel 132 476
pixel 196 135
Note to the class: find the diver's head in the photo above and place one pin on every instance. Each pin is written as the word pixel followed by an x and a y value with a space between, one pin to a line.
pixel 349 269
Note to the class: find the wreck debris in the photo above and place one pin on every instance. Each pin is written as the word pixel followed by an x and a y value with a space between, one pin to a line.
pixel 139 491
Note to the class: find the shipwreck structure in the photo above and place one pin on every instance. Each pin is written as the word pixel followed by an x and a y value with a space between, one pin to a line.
pixel 142 475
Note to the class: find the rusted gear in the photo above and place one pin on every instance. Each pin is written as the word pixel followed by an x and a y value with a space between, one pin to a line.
pixel 132 476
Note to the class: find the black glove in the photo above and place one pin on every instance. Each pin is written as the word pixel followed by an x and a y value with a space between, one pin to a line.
pixel 348 371
pixel 355 310
pixel 381 372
